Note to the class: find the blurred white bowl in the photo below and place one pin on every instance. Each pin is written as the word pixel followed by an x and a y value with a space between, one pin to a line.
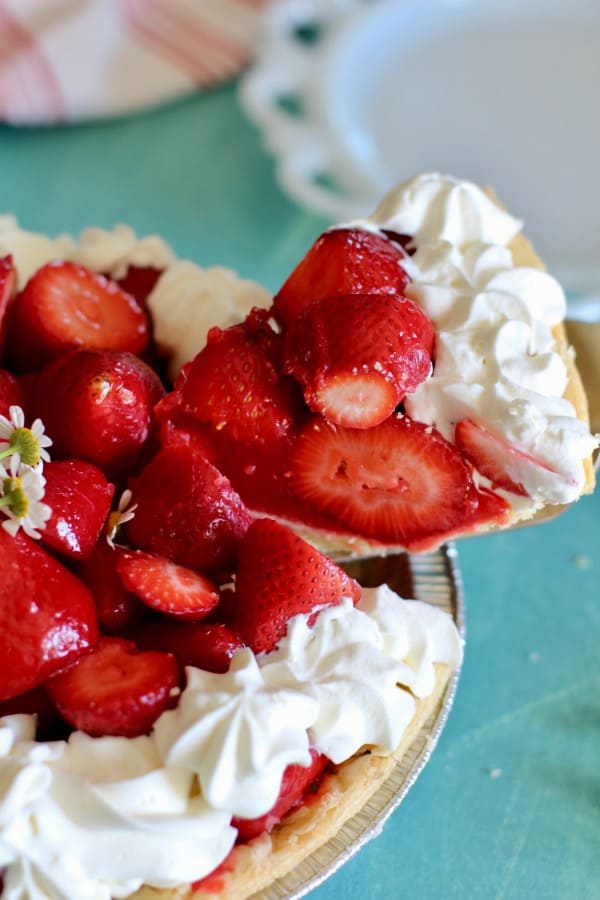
pixel 354 96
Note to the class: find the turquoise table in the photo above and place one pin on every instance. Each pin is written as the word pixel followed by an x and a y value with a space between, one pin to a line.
pixel 508 807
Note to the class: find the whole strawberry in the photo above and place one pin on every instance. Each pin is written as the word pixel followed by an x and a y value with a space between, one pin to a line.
pixel 187 511
pixel 98 405
pixel 80 497
pixel 233 386
pixel 342 261
pixel 280 576
pixel 47 616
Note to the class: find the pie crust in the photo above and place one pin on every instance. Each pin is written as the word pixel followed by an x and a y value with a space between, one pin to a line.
pixel 342 793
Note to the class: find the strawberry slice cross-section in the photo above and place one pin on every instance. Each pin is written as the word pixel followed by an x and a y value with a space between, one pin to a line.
pixel 398 482
pixel 165 586
pixel 64 306
pixel 504 465
pixel 115 690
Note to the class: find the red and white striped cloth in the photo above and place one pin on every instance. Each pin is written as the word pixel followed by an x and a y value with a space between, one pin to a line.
pixel 63 60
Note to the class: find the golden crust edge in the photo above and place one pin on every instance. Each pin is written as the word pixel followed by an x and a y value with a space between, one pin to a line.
pixel 342 794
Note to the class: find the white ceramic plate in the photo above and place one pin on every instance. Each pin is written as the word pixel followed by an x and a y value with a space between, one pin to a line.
pixel 434 578
pixel 354 96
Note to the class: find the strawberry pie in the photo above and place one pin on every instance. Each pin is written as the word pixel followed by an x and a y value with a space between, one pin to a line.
pixel 193 695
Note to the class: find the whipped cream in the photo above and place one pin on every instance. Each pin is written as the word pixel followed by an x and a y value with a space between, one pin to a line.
pixel 496 358
pixel 97 817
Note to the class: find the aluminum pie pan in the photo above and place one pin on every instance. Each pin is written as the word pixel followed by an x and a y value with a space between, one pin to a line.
pixel 434 578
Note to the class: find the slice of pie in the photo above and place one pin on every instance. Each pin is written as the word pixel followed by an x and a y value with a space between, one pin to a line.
pixel 410 383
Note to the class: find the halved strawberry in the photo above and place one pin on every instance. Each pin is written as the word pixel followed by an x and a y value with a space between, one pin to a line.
pixel 118 610
pixel 47 616
pixel 296 782
pixel 165 586
pixel 187 511
pixel 80 498
pixel 279 576
pixel 64 306
pixel 8 286
pixel 357 356
pixel 200 644
pixel 342 261
pixel 233 386
pixel 98 405
pixel 11 392
pixel 495 458
pixel 398 482
pixel 115 690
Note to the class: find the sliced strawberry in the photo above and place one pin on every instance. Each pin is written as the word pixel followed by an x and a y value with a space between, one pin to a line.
pixel 165 586
pixel 97 405
pixel 115 690
pixel 357 356
pixel 494 457
pixel 296 783
pixel 118 610
pixel 233 386
pixel 8 286
pixel 396 483
pixel 279 576
pixel 11 392
pixel 187 511
pixel 205 646
pixel 342 261
pixel 47 616
pixel 484 509
pixel 64 306
pixel 80 498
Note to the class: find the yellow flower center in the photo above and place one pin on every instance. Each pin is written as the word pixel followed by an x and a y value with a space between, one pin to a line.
pixel 14 497
pixel 24 442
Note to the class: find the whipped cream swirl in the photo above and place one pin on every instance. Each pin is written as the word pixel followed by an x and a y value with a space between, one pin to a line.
pixel 496 358
pixel 98 817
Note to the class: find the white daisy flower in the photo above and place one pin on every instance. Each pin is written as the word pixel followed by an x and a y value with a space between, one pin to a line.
pixel 123 513
pixel 21 492
pixel 28 445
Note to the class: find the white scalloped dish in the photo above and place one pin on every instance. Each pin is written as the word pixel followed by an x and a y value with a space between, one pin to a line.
pixel 353 97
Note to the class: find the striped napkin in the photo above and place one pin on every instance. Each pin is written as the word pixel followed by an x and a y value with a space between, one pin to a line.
pixel 64 60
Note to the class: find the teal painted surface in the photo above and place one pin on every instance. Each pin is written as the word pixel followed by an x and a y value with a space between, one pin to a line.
pixel 528 704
